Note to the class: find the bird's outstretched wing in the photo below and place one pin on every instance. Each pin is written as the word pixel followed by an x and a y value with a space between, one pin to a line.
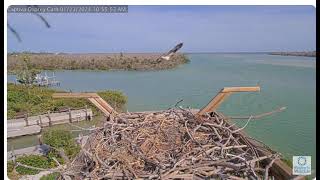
pixel 43 19
pixel 15 33
pixel 175 49
pixel 171 52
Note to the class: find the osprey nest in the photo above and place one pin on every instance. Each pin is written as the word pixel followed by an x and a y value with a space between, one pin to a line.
pixel 170 144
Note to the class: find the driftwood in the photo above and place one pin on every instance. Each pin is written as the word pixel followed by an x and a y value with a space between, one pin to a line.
pixel 166 145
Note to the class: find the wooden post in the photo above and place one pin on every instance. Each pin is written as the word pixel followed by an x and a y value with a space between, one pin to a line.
pixel 40 120
pixel 70 117
pixel 86 112
pixel 78 116
pixel 13 155
pixel 49 118
pixel 40 139
pixel 26 119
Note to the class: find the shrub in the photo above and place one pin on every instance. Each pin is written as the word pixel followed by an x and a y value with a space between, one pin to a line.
pixel 59 138
pixel 27 74
pixel 35 161
pixel 115 98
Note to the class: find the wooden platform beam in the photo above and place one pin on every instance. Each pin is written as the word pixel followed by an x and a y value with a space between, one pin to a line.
pixel 222 95
pixel 241 89
pixel 98 105
pixel 94 98
pixel 105 105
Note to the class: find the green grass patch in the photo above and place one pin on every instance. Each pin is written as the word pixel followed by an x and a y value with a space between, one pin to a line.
pixel 61 139
pixel 34 161
pixel 36 100
pixel 115 98
pixel 52 176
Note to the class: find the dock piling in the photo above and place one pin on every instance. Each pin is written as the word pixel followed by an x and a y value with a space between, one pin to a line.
pixel 70 117
pixel 40 120
pixel 86 109
pixel 26 119
pixel 49 118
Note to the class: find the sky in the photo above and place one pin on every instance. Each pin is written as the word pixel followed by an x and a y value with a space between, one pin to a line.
pixel 160 28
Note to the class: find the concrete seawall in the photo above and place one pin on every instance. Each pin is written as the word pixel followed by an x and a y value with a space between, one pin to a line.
pixel 34 124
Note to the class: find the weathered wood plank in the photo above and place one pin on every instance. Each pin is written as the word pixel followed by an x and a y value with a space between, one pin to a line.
pixel 241 89
pixel 214 103
pixel 105 105
pixel 99 106
pixel 12 123
pixel 17 127
pixel 21 131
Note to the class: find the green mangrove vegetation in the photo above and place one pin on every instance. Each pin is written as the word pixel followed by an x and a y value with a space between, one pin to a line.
pixel 120 61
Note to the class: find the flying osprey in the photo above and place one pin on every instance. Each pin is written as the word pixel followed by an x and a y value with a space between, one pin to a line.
pixel 168 55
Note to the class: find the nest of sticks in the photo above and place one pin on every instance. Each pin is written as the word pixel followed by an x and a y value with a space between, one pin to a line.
pixel 170 144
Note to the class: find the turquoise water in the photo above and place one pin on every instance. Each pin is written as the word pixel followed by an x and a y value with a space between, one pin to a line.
pixel 285 81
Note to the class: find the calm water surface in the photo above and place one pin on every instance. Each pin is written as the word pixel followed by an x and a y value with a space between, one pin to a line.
pixel 285 81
